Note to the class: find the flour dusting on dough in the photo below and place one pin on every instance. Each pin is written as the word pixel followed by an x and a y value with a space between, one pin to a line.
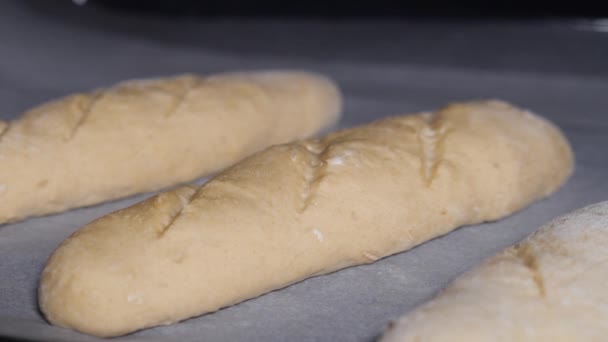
pixel 136 297
pixel 371 256
pixel 341 159
pixel 336 161
pixel 318 234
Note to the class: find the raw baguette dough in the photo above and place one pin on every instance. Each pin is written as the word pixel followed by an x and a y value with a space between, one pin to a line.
pixel 298 210
pixel 144 135
pixel 550 287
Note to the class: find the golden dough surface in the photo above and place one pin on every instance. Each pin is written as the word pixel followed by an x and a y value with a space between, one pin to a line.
pixel 549 287
pixel 145 135
pixel 302 209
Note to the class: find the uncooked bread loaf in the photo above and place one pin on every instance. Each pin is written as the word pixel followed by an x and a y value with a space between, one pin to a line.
pixel 145 135
pixel 549 287
pixel 298 210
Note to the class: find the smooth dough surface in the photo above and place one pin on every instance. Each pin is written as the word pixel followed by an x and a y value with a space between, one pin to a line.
pixel 144 135
pixel 302 209
pixel 549 287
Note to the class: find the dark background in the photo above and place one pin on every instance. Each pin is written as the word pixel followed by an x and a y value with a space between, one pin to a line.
pixel 554 37
pixel 350 8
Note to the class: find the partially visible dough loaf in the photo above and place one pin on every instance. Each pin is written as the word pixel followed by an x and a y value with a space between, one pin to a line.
pixel 550 287
pixel 298 210
pixel 145 135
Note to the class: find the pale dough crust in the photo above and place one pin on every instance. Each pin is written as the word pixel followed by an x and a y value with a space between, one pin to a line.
pixel 302 209
pixel 145 135
pixel 549 287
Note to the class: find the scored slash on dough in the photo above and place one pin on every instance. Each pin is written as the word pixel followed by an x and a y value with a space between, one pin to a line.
pixel 319 164
pixel 314 173
pixel 193 83
pixel 84 114
pixel 185 200
pixel 96 97
pixel 528 259
pixel 430 137
pixel 3 129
